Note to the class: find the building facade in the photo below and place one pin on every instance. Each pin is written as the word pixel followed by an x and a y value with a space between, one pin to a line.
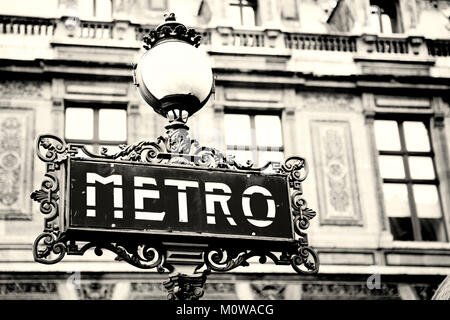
pixel 360 88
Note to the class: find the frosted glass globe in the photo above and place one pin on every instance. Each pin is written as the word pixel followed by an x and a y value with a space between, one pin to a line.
pixel 176 67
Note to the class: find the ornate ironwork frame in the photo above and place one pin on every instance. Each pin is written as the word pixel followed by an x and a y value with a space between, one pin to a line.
pixel 178 149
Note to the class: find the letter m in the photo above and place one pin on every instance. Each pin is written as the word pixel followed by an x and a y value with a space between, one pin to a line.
pixel 116 180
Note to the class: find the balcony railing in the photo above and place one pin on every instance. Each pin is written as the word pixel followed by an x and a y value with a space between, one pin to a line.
pixel 253 39
pixel 27 26
pixel 392 46
pixel 320 42
pixel 438 48
pixel 217 38
pixel 95 30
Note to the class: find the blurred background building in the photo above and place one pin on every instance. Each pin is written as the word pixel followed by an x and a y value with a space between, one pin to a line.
pixel 360 88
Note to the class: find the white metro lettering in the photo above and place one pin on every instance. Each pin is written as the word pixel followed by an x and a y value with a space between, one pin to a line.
pixel 248 211
pixel 92 178
pixel 217 195
pixel 182 198
pixel 220 198
pixel 140 195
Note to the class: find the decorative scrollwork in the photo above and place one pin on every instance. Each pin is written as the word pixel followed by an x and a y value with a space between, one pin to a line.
pixel 297 169
pixel 176 148
pixel 50 247
pixel 213 158
pixel 302 214
pixel 144 151
pixel 227 259
pixel 55 148
pixel 222 260
pixel 53 248
pixel 306 257
pixel 142 256
pixel 48 196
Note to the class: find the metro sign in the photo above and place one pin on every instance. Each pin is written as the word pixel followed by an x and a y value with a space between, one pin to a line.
pixel 157 208
pixel 157 199
pixel 170 202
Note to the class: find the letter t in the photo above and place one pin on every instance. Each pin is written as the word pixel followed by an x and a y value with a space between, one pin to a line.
pixel 182 185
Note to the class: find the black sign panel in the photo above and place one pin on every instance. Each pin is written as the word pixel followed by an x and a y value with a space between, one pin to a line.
pixel 118 196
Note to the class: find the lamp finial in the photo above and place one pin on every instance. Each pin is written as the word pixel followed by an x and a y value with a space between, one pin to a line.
pixel 170 17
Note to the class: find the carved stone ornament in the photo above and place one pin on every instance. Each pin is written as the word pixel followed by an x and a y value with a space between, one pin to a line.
pixel 268 291
pixel 96 291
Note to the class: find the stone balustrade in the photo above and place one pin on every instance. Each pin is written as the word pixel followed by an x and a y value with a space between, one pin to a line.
pixel 320 42
pixel 95 30
pixel 438 48
pixel 26 26
pixel 228 37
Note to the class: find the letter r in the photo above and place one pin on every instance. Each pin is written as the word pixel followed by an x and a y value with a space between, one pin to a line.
pixel 220 198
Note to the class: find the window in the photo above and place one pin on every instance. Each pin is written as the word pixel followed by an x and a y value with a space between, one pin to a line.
pixel 243 12
pixel 96 126
pixel 157 4
pixel 254 136
pixel 410 183
pixel 99 9
pixel 384 16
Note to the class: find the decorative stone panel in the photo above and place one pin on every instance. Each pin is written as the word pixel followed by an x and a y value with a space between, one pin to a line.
pixel 16 136
pixel 348 291
pixel 329 102
pixel 335 172
pixel 28 290
pixel 219 290
pixel 23 89
pixel 147 291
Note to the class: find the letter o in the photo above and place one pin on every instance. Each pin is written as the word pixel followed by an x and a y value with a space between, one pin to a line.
pixel 248 211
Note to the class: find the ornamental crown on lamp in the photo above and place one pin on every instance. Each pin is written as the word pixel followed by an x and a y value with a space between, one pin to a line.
pixel 173 76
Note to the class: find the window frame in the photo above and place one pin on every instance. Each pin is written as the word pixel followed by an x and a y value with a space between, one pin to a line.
pixel 408 181
pixel 91 11
pixel 245 3
pixel 254 147
pixel 397 23
pixel 151 6
pixel 96 142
